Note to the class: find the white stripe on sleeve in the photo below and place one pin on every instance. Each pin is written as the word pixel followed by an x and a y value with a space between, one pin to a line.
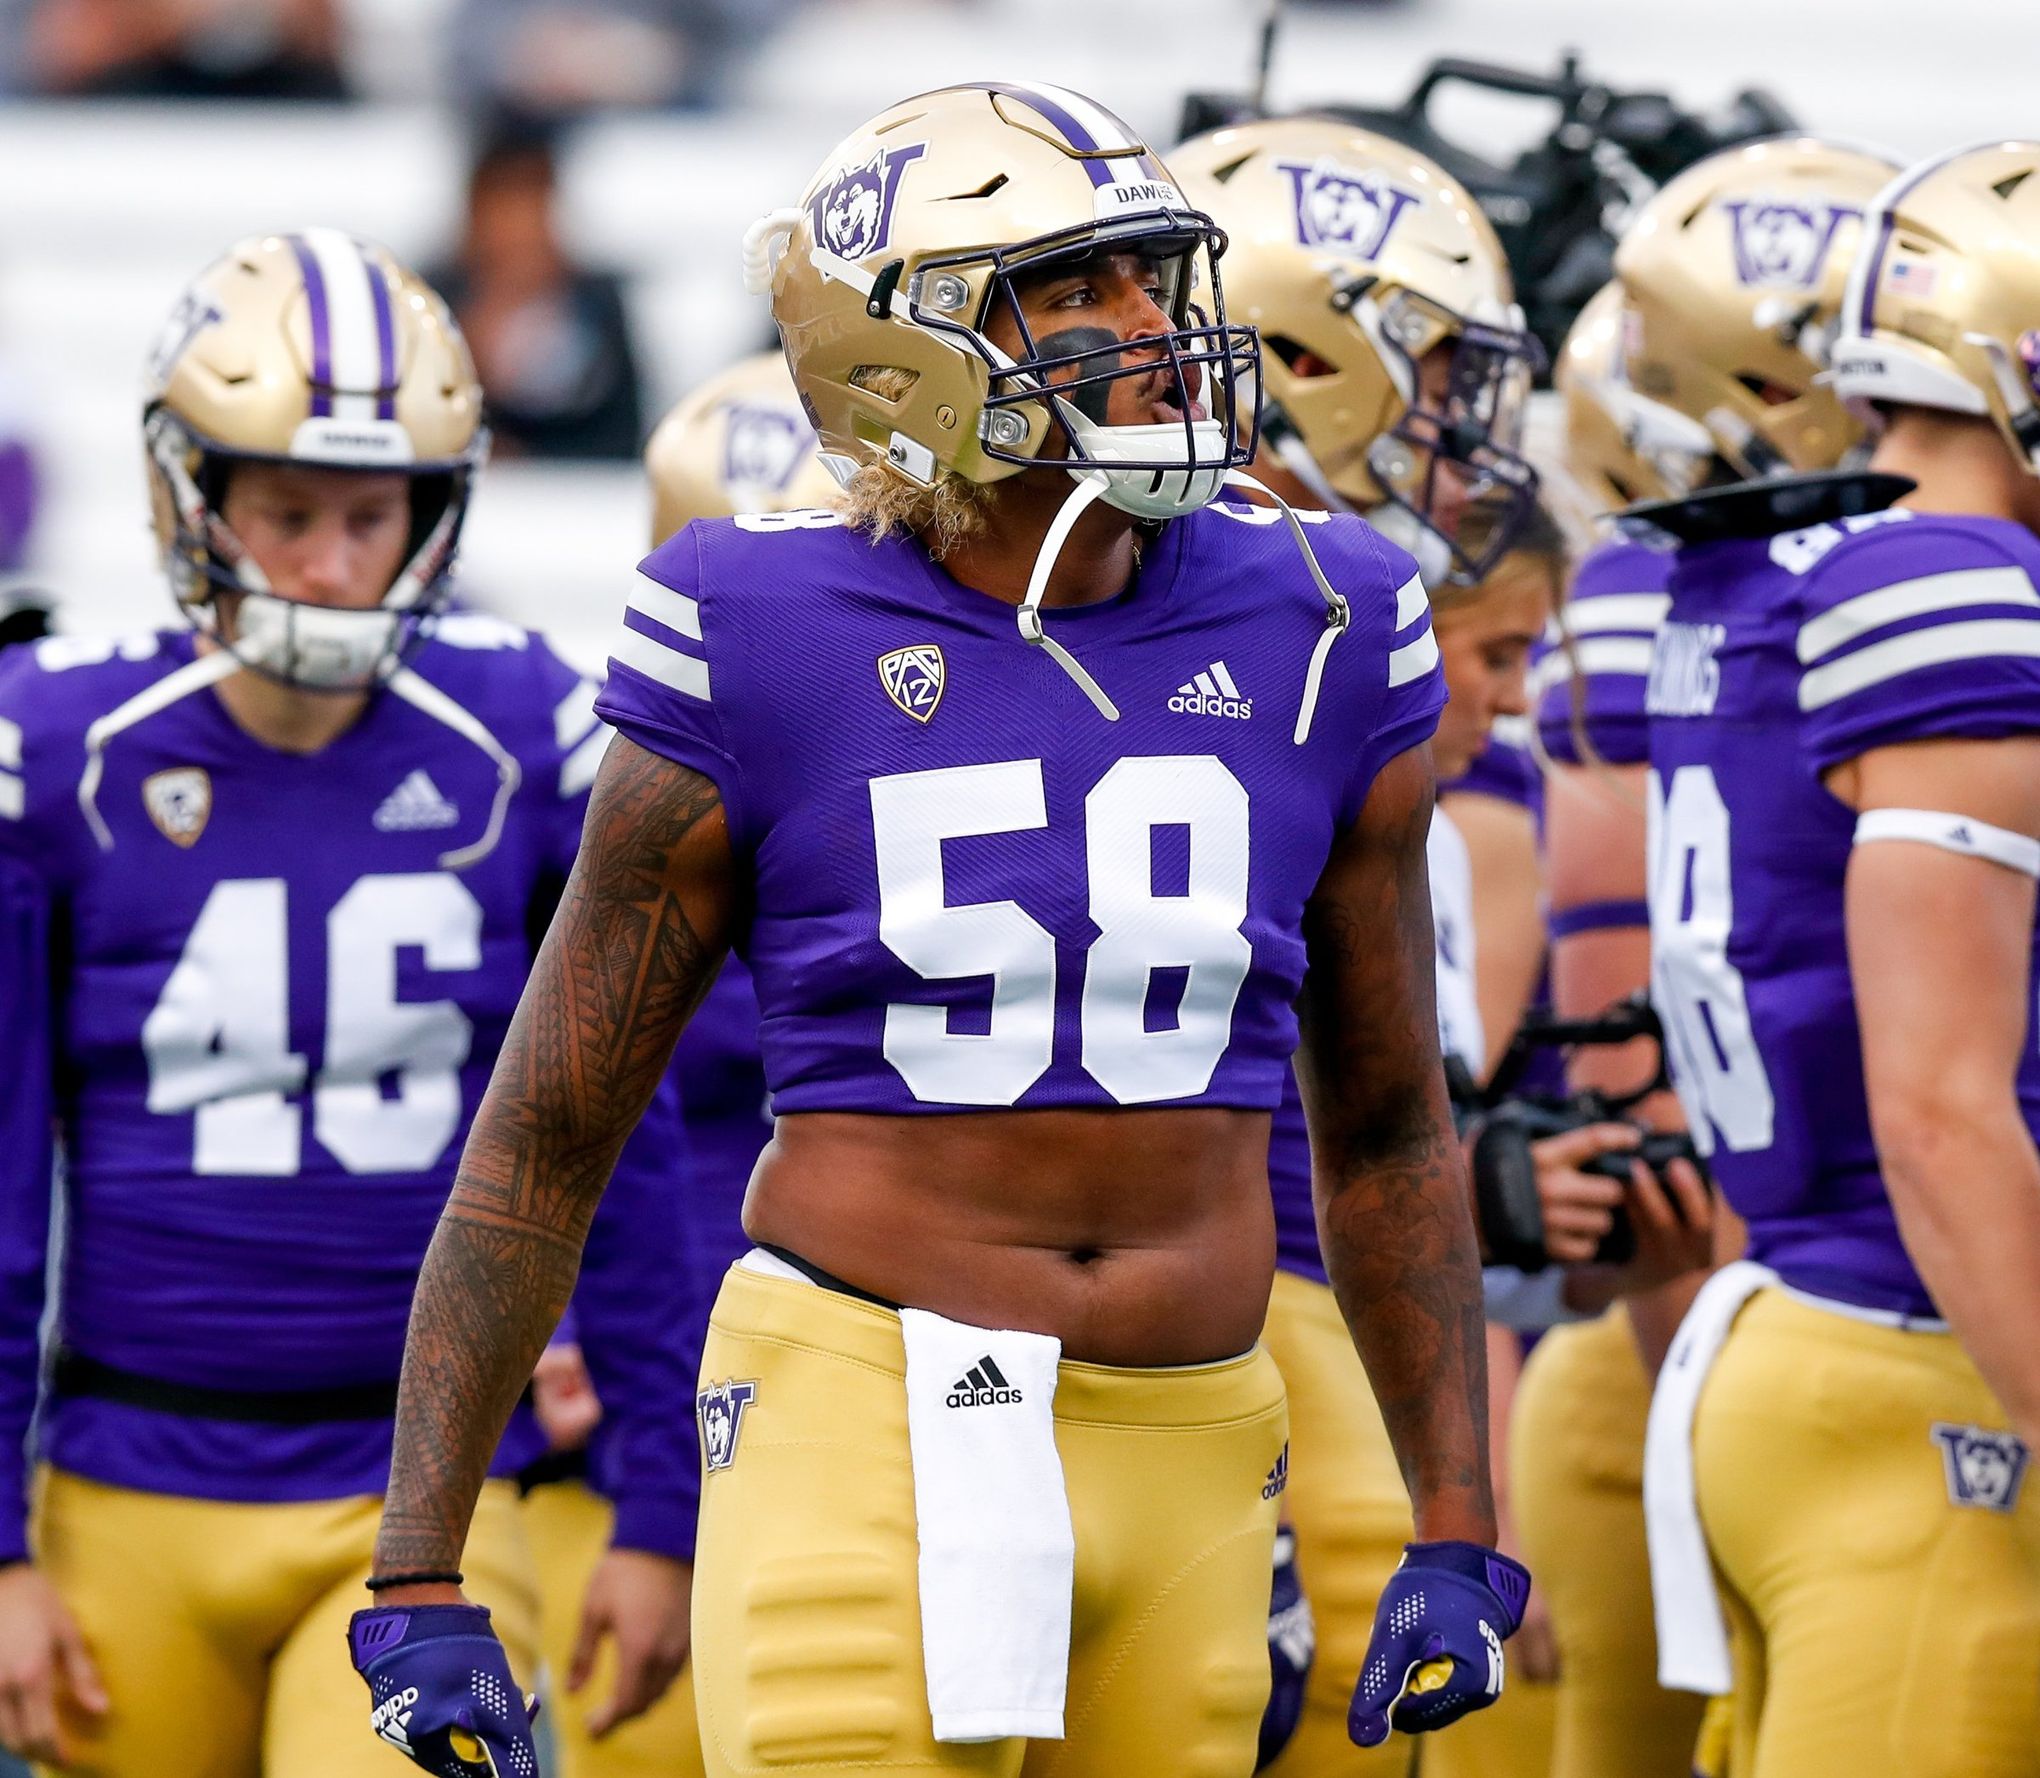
pixel 1951 591
pixel 575 712
pixel 13 797
pixel 682 672
pixel 10 744
pixel 1983 639
pixel 578 769
pixel 663 605
pixel 1599 657
pixel 1411 602
pixel 1413 660
pixel 1619 611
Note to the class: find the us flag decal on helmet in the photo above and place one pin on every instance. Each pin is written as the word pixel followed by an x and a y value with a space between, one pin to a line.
pixel 913 678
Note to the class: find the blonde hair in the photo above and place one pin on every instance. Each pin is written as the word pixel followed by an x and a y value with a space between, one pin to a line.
pixel 879 501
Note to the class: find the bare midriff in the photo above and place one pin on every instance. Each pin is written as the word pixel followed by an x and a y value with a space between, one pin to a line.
pixel 1136 1237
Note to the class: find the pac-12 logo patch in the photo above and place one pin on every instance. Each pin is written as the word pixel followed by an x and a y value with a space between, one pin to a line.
pixel 913 678
pixel 1983 1468
pixel 852 214
pixel 179 801
pixel 1338 207
pixel 1783 243
pixel 720 1411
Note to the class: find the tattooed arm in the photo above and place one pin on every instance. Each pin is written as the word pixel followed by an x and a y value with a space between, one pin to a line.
pixel 1394 1217
pixel 637 939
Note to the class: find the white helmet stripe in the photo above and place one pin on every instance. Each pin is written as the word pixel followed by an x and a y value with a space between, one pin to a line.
pixel 357 371
pixel 1107 132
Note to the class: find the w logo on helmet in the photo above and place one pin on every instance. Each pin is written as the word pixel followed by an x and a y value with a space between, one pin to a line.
pixel 764 447
pixel 852 214
pixel 1336 207
pixel 1783 243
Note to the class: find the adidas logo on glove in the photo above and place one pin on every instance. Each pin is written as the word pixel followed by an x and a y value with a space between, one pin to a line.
pixel 984 1385
pixel 1212 693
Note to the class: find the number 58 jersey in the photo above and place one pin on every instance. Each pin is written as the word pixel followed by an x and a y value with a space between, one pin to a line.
pixel 1779 659
pixel 970 888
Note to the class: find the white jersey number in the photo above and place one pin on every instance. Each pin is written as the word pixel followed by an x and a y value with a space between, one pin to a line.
pixel 218 1039
pixel 1715 1063
pixel 1139 932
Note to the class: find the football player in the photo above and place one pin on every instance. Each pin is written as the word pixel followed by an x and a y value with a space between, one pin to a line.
pixel 1394 364
pixel 1028 909
pixel 1845 832
pixel 294 858
pixel 739 443
pixel 1698 367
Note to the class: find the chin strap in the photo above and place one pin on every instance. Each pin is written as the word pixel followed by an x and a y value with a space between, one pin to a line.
pixel 1088 489
pixel 193 676
pixel 1338 613
pixel 425 697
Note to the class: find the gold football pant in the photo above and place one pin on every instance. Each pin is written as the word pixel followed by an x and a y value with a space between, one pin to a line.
pixel 220 1629
pixel 1576 1481
pixel 1351 1514
pixel 807 1632
pixel 1877 1625
pixel 568 1525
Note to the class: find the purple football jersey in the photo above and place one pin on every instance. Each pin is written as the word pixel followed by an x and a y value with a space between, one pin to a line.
pixel 1612 612
pixel 25 1203
pixel 971 889
pixel 279 1003
pixel 1504 769
pixel 1780 658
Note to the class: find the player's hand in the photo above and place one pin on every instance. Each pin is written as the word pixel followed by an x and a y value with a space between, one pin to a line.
pixel 563 1398
pixel 640 1601
pixel 42 1654
pixel 1674 1226
pixel 1436 1653
pixel 1578 1208
pixel 442 1690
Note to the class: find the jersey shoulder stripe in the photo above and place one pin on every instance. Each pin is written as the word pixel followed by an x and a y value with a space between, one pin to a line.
pixel 659 622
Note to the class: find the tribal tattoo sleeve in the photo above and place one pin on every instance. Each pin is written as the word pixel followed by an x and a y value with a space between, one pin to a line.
pixel 1394 1217
pixel 639 935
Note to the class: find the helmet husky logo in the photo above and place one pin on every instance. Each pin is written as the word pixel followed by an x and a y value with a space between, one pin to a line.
pixel 1338 207
pixel 913 679
pixel 720 1410
pixel 1783 243
pixel 763 446
pixel 852 214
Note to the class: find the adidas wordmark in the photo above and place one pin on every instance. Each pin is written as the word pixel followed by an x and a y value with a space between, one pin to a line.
pixel 1211 693
pixel 983 1385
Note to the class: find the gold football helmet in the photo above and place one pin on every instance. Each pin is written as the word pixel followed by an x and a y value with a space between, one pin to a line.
pixel 1733 276
pixel 909 239
pixel 1589 380
pixel 319 349
pixel 1356 257
pixel 739 443
pixel 1943 309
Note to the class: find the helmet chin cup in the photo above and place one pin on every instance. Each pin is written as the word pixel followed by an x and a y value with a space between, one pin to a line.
pixel 1149 492
pixel 317 647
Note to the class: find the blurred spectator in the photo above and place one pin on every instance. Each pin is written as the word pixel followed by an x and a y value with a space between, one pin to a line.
pixel 551 338
pixel 563 56
pixel 184 49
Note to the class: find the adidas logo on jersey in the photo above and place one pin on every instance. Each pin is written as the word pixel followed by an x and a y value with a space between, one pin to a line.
pixel 984 1385
pixel 1212 693
pixel 415 806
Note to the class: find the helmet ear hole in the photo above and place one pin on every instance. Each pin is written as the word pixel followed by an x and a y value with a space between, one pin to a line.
pixel 889 382
pixel 1297 358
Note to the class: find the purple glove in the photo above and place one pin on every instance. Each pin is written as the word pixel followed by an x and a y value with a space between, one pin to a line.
pixel 442 1689
pixel 1438 1633
pixel 1292 1646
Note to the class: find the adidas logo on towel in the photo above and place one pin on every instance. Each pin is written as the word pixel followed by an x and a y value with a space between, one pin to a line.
pixel 414 806
pixel 1278 1477
pixel 1211 693
pixel 983 1385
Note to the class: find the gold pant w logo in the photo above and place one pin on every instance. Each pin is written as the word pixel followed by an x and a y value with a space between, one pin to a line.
pixel 807 1631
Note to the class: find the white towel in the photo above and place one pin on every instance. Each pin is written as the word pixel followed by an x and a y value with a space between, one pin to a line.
pixel 1692 1637
pixel 998 1555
